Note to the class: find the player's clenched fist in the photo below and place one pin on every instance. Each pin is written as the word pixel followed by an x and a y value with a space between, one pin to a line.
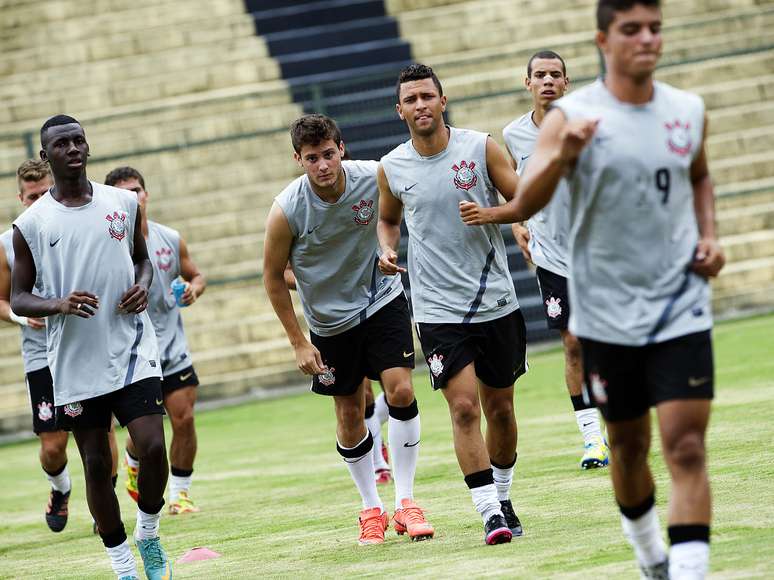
pixel 78 303
pixel 575 135
pixel 388 263
pixel 309 360
pixel 474 215
pixel 709 258
pixel 522 236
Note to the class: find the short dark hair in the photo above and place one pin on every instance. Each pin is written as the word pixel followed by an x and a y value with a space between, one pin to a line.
pixel 53 122
pixel 550 54
pixel 606 10
pixel 312 130
pixel 417 72
pixel 120 174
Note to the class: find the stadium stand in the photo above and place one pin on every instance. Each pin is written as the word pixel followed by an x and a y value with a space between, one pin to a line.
pixel 198 95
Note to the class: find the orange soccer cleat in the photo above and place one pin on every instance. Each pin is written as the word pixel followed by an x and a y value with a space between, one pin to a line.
pixel 410 518
pixel 373 523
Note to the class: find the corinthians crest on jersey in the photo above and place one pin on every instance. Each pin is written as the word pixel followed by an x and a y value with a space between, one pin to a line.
pixel 117 227
pixel 464 176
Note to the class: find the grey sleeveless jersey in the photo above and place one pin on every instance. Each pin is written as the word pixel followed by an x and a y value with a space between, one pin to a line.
pixel 89 248
pixel 550 227
pixel 164 251
pixel 33 346
pixel 634 230
pixel 334 255
pixel 458 273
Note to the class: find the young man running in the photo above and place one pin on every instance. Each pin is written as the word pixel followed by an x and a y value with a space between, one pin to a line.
pixel 82 245
pixel 544 243
pixel 170 258
pixel 465 307
pixel 643 245
pixel 324 224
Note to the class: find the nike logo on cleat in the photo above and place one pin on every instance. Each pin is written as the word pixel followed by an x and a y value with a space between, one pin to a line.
pixel 411 444
pixel 694 382
pixel 409 187
pixel 52 244
pixel 186 377
pixel 159 403
pixel 408 354
pixel 586 424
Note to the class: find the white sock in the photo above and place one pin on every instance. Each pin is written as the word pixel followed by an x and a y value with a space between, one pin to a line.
pixel 588 424
pixel 689 560
pixel 122 560
pixel 376 431
pixel 177 484
pixel 404 443
pixel 362 471
pixel 147 525
pixel 486 502
pixel 644 534
pixel 60 482
pixel 503 479
pixel 131 461
pixel 381 411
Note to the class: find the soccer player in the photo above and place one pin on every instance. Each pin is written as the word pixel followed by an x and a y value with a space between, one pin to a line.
pixel 324 223
pixel 82 245
pixel 465 307
pixel 170 258
pixel 643 243
pixel 544 243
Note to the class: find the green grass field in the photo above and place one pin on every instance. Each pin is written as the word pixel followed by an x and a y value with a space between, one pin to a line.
pixel 277 501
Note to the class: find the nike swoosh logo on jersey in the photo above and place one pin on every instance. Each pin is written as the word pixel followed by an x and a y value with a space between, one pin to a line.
pixel 52 244
pixel 186 377
pixel 523 157
pixel 409 187
pixel 411 444
pixel 694 382
pixel 310 230
pixel 408 354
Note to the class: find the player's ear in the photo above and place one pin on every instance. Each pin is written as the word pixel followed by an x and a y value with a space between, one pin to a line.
pixel 443 103
pixel 400 113
pixel 601 40
pixel 342 148
pixel 43 155
pixel 528 83
pixel 297 157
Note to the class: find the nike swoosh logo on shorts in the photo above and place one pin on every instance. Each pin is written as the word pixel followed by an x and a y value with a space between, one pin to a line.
pixel 186 377
pixel 159 403
pixel 694 382
pixel 411 444
pixel 52 244
pixel 408 354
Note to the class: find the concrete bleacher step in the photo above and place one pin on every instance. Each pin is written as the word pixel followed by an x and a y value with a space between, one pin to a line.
pixel 747 218
pixel 735 301
pixel 744 168
pixel 750 245
pixel 748 273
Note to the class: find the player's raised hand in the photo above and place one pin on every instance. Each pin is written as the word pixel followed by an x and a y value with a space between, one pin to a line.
pixel 709 258
pixel 388 263
pixel 189 296
pixel 474 215
pixel 79 303
pixel 522 239
pixel 575 135
pixel 134 300
pixel 309 359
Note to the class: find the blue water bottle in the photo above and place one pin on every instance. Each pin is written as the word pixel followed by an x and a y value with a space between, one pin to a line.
pixel 178 288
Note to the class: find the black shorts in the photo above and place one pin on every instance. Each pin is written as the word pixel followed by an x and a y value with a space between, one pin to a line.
pixel 498 348
pixel 383 341
pixel 40 387
pixel 185 378
pixel 625 381
pixel 556 302
pixel 132 401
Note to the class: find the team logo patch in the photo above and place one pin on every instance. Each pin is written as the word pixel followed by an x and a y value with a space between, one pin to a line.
pixel 73 409
pixel 364 212
pixel 464 176
pixel 327 378
pixel 117 227
pixel 436 364
pixel 45 411
pixel 679 140
pixel 599 388
pixel 164 259
pixel 553 308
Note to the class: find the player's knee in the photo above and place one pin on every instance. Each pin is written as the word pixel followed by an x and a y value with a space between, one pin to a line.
pixel 401 395
pixel 572 347
pixel 53 446
pixel 630 451
pixel 686 452
pixel 501 414
pixel 152 449
pixel 465 412
pixel 98 467
pixel 182 421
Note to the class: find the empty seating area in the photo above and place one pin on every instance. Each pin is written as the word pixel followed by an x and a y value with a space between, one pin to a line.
pixel 198 96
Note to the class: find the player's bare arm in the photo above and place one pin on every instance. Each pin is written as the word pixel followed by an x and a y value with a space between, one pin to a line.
pixel 195 281
pixel 520 233
pixel 5 298
pixel 135 300
pixel 276 252
pixel 25 303
pixel 388 227
pixel 709 258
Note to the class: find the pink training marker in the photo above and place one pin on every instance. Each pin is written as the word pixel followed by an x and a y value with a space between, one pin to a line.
pixel 197 554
